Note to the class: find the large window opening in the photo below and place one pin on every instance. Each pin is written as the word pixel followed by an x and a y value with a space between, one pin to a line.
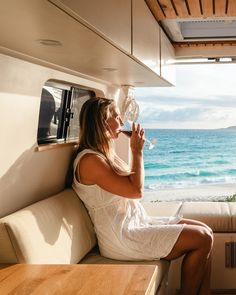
pixel 195 127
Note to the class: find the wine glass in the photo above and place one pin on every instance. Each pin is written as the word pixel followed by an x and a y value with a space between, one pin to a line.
pixel 127 130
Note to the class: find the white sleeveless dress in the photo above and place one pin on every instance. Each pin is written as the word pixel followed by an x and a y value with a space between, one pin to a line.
pixel 123 228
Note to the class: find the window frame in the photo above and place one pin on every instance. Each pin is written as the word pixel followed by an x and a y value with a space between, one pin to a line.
pixel 62 139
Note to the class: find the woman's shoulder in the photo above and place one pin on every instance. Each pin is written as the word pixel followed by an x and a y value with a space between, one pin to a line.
pixel 88 156
pixel 91 167
pixel 92 158
pixel 87 153
pixel 87 163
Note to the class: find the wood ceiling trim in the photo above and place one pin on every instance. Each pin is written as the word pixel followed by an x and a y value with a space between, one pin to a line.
pixel 221 7
pixel 172 9
pixel 231 8
pixel 204 44
pixel 207 8
pixel 195 8
pixel 155 9
pixel 181 7
pixel 167 8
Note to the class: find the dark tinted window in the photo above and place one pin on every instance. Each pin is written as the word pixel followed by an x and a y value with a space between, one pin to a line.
pixel 59 113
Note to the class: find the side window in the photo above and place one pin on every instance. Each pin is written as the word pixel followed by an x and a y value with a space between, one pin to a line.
pixel 59 113
pixel 79 97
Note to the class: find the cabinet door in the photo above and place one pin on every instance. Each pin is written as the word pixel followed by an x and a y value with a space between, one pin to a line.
pixel 110 17
pixel 168 69
pixel 146 36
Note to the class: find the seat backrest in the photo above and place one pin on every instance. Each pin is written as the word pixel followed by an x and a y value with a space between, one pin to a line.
pixel 55 230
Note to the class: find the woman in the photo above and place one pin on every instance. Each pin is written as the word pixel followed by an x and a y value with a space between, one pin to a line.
pixel 109 190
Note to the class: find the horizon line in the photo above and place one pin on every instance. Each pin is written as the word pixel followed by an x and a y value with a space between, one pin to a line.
pixel 220 128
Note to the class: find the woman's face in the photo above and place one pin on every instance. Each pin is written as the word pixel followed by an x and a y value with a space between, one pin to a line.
pixel 114 122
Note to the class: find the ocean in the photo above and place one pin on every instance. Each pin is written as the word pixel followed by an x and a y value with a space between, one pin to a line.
pixel 189 158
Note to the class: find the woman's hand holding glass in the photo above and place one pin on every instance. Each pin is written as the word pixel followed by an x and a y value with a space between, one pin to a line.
pixel 137 139
pixel 128 132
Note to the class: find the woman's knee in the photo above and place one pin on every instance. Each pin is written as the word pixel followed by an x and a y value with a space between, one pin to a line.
pixel 198 237
pixel 196 222
pixel 192 238
pixel 209 230
pixel 205 239
pixel 207 235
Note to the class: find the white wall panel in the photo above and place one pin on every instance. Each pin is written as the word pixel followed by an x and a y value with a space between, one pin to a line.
pixel 27 175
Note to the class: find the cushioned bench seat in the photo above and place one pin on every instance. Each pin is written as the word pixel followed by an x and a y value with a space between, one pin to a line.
pixel 93 257
pixel 232 208
pixel 58 230
pixel 55 230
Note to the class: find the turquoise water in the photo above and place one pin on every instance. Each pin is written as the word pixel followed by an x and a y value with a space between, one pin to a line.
pixel 186 158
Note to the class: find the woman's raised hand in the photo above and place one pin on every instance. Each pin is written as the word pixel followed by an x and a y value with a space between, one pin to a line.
pixel 137 139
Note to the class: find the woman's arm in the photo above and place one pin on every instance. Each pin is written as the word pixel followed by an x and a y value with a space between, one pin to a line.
pixel 93 169
pixel 136 145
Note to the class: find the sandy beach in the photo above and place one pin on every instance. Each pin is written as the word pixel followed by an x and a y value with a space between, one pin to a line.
pixel 199 193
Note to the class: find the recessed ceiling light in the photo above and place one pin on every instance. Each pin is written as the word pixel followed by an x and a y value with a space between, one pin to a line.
pixel 110 69
pixel 226 59
pixel 49 42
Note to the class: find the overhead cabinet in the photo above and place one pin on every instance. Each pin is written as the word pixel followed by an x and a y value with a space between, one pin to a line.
pixel 146 36
pixel 92 38
pixel 168 69
pixel 136 32
pixel 129 26
pixel 111 18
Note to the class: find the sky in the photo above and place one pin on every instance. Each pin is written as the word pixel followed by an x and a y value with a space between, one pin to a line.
pixel 204 98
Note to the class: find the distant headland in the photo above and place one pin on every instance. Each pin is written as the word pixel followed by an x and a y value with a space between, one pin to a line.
pixel 229 128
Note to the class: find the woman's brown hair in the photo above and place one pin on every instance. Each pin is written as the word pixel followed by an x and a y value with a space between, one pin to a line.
pixel 94 133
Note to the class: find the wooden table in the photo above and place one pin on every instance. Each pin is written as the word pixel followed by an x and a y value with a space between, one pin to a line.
pixel 82 279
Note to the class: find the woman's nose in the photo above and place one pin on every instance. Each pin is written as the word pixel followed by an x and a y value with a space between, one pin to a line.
pixel 121 122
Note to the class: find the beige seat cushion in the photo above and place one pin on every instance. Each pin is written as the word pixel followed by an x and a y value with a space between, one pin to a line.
pixel 54 230
pixel 95 258
pixel 232 208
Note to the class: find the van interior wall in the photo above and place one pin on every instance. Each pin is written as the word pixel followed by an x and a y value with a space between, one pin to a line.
pixel 27 175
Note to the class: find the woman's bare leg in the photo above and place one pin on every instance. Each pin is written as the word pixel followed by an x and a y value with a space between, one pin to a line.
pixel 205 286
pixel 195 241
pixel 206 282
